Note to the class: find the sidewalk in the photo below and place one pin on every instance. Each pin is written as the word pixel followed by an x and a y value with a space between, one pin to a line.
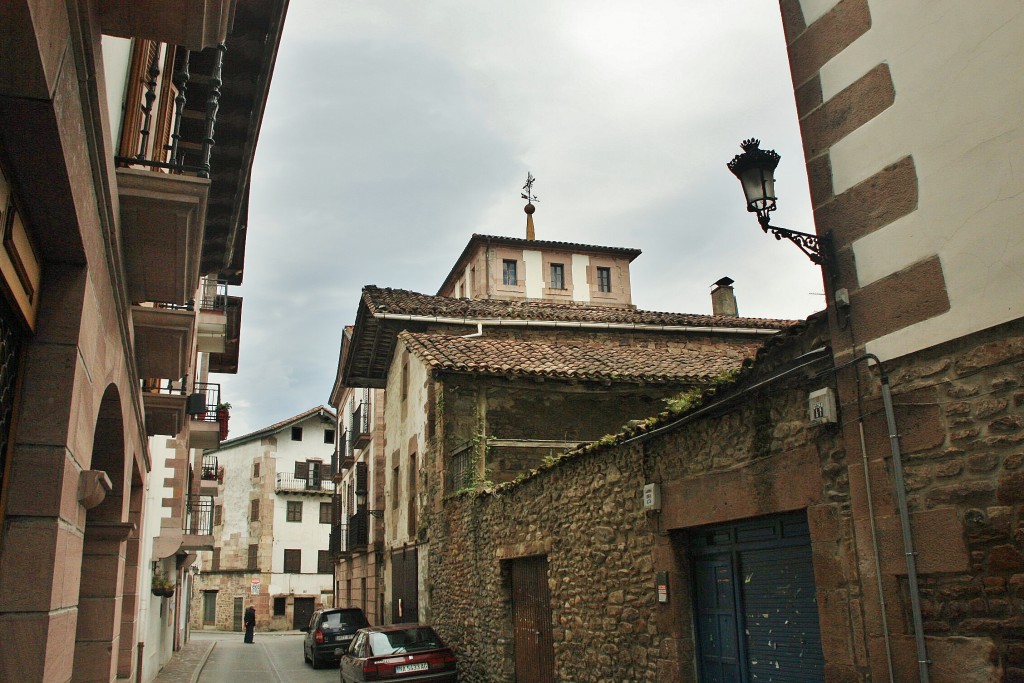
pixel 187 663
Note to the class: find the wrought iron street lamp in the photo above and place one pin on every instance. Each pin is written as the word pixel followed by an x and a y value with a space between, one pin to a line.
pixel 361 503
pixel 755 169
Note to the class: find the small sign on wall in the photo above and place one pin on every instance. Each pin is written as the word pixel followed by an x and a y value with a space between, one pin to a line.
pixel 254 587
pixel 661 585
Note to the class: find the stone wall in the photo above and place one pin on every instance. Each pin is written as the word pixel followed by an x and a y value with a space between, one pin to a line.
pixel 959 410
pixel 585 513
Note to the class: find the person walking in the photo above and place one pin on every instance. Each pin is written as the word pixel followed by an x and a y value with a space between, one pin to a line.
pixel 249 620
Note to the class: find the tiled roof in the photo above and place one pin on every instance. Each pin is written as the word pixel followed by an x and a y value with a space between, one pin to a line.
pixel 398 302
pixel 608 362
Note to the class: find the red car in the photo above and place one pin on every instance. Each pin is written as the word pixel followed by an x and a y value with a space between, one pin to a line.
pixel 409 653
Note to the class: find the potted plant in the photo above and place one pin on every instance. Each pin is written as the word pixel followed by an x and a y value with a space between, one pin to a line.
pixel 161 585
pixel 223 413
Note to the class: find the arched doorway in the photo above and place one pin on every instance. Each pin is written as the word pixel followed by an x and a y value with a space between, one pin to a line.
pixel 103 552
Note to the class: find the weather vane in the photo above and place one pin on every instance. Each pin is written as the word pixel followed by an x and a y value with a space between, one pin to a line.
pixel 528 195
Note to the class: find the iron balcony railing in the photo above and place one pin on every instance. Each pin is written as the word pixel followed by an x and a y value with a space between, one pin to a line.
pixel 209 469
pixel 198 515
pixel 214 295
pixel 191 137
pixel 312 484
pixel 204 401
pixel 361 425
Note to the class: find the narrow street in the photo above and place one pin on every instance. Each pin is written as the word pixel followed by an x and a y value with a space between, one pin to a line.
pixel 271 659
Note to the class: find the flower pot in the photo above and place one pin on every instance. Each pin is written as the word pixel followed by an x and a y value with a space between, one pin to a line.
pixel 222 420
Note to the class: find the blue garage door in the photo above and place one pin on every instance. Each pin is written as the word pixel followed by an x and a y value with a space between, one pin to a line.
pixel 756 612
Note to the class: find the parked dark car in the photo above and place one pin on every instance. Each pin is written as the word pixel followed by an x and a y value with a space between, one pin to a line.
pixel 329 633
pixel 409 653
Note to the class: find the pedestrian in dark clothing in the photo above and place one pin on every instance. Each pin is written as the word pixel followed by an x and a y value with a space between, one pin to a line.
pixel 250 623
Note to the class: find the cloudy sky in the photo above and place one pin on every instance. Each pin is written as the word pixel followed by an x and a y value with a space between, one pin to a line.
pixel 397 128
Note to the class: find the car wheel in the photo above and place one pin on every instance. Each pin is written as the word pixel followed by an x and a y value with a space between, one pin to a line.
pixel 305 657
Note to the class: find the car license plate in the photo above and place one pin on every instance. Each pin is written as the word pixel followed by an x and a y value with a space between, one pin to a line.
pixel 422 666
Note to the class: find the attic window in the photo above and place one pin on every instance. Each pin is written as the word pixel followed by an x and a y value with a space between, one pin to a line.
pixel 329 436
pixel 296 433
pixel 604 279
pixel 508 272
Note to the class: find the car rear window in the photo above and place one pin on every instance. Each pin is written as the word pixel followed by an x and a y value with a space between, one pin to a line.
pixel 344 620
pixel 406 640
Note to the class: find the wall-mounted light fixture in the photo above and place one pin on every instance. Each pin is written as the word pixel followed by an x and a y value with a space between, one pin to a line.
pixel 755 169
pixel 361 504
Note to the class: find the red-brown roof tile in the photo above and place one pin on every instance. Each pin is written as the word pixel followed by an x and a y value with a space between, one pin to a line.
pixel 611 362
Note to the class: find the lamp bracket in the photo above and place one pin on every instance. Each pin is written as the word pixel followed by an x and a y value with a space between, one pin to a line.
pixel 810 244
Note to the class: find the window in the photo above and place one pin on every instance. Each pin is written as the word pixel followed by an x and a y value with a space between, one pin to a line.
pixel 557 276
pixel 256 469
pixel 209 607
pixel 293 561
pixel 254 510
pixel 294 511
pixel 329 436
pixel 458 470
pixel 296 433
pixel 218 515
pixel 508 272
pixel 215 560
pixel 323 562
pixel 279 605
pixel 302 470
pixel 254 550
pixel 604 279
pixel 325 513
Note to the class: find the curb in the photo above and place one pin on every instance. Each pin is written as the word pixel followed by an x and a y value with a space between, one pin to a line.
pixel 202 663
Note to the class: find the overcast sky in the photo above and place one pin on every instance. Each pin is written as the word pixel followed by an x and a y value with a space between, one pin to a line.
pixel 397 128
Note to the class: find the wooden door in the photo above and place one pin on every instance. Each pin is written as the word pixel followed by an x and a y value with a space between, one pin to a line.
pixel 303 612
pixel 531 621
pixel 405 603
pixel 236 615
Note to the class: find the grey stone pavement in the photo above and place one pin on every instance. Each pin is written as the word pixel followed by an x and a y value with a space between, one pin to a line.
pixel 222 657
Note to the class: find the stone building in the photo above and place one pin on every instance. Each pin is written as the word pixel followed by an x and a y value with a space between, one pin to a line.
pixel 271 522
pixel 483 387
pixel 764 531
pixel 123 197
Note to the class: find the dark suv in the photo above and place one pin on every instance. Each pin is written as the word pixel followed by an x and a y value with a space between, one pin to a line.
pixel 329 632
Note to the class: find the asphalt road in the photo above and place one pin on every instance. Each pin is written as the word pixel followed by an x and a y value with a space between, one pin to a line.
pixel 270 659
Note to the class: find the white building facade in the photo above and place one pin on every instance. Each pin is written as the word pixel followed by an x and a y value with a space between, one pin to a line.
pixel 271 527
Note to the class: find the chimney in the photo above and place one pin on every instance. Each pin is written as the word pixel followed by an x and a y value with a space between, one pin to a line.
pixel 723 301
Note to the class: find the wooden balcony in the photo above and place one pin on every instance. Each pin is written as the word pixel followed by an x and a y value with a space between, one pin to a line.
pixel 193 23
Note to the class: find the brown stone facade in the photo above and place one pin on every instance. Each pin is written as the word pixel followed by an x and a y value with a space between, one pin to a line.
pixel 959 410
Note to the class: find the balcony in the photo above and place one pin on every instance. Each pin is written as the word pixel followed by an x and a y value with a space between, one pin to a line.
pixel 163 174
pixel 314 485
pixel 197 530
pixel 164 402
pixel 338 543
pixel 194 23
pixel 213 317
pixel 227 361
pixel 361 426
pixel 208 424
pixel 210 475
pixel 163 339
pixel 348 454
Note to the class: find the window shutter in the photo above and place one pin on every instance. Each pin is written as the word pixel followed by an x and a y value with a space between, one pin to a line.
pixel 360 477
pixel 302 470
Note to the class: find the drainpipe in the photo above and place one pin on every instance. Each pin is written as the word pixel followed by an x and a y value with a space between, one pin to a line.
pixel 904 513
pixel 479 332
